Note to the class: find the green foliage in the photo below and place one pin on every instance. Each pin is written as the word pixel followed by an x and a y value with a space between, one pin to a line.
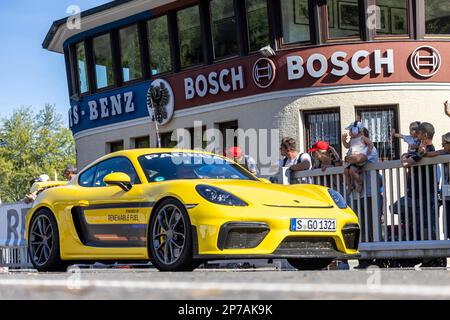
pixel 30 145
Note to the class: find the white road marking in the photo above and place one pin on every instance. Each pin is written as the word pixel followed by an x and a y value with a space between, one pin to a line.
pixel 389 289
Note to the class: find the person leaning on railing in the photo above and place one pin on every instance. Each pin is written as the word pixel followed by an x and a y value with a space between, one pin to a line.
pixel 293 159
pixel 446 186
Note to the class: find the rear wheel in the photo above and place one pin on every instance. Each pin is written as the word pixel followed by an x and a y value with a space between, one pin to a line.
pixel 170 238
pixel 43 243
pixel 310 264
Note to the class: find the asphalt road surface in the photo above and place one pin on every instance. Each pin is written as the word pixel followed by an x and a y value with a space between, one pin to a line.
pixel 235 284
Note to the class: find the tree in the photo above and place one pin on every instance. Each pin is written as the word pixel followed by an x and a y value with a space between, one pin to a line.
pixel 30 145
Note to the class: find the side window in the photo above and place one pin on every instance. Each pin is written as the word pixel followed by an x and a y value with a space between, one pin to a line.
pixel 87 177
pixel 115 165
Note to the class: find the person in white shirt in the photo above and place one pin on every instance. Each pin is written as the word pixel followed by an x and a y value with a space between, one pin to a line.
pixel 292 159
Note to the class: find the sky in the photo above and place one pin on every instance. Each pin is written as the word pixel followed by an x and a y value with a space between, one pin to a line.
pixel 29 74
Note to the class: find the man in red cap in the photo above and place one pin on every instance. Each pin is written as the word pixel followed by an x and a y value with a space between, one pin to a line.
pixel 236 154
pixel 325 155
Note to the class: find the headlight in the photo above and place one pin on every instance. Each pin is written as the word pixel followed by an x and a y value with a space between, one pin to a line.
pixel 219 196
pixel 338 199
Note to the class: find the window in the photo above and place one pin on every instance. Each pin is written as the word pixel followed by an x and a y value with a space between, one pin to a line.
pixel 323 125
pixel 142 142
pixel 380 121
pixel 228 131
pixel 437 17
pixel 161 167
pixel 87 177
pixel 130 54
pixel 166 140
pixel 82 68
pixel 258 24
pixel 189 34
pixel 295 16
pixel 392 17
pixel 103 61
pixel 115 146
pixel 343 18
pixel 223 26
pixel 109 166
pixel 159 45
pixel 195 139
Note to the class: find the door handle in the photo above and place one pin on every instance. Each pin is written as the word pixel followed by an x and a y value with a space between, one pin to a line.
pixel 83 203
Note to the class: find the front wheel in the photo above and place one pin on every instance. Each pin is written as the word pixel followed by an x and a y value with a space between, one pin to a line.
pixel 170 238
pixel 43 243
pixel 309 264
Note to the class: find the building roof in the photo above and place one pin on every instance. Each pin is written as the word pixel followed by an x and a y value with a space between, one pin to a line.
pixel 58 23
pixel 96 17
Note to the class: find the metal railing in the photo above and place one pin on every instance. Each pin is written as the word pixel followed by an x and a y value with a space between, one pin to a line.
pixel 402 211
pixel 14 257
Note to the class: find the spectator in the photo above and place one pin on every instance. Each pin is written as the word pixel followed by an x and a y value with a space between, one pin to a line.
pixel 412 139
pixel 446 183
pixel 363 200
pixel 325 155
pixel 292 159
pixel 35 189
pixel 422 188
pixel 236 154
pixel 70 172
pixel 359 147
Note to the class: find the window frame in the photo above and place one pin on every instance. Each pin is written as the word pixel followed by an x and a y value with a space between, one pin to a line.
pixel 422 21
pixel 278 20
pixel 203 33
pixel 246 40
pixel 396 123
pixel 307 113
pixel 114 66
pixel 406 36
pixel 236 9
pixel 111 143
pixel 119 48
pixel 96 165
pixel 171 46
pixel 323 12
pixel 76 67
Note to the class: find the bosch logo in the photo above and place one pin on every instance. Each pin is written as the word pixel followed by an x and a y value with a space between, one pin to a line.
pixel 425 61
pixel 264 73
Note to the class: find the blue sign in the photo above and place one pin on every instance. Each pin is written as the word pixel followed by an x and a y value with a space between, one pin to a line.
pixel 122 104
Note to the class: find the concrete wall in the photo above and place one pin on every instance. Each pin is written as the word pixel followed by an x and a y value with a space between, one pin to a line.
pixel 284 113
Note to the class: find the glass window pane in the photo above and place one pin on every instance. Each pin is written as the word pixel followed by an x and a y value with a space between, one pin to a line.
pixel 82 67
pixel 116 146
pixel 130 53
pixel 87 177
pixel 437 17
pixel 392 17
pixel 343 18
pixel 295 16
pixel 223 25
pixel 258 24
pixel 189 33
pixel 103 61
pixel 323 125
pixel 159 45
pixel 114 165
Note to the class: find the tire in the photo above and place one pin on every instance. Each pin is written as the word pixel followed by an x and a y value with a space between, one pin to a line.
pixel 170 238
pixel 310 264
pixel 43 243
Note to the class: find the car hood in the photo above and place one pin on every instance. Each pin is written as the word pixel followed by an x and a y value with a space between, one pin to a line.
pixel 276 195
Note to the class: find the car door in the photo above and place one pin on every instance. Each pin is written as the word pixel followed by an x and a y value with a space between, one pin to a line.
pixel 108 216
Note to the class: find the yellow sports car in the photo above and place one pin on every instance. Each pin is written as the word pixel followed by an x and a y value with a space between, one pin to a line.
pixel 180 208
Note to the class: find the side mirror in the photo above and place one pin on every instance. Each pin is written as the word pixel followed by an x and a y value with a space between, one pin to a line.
pixel 119 179
pixel 265 180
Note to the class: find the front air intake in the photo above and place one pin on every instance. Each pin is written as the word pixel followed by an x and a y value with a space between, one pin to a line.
pixel 241 235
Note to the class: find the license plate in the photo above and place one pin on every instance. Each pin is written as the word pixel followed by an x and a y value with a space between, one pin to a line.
pixel 328 225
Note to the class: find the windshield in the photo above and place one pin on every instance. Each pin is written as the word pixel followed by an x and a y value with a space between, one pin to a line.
pixel 179 165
